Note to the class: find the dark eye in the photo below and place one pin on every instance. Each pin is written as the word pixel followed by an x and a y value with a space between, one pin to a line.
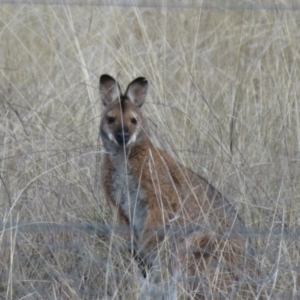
pixel 110 120
pixel 134 120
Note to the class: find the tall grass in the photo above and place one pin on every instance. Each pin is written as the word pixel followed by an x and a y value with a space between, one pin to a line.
pixel 223 101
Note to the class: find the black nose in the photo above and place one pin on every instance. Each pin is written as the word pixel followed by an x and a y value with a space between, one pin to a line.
pixel 122 137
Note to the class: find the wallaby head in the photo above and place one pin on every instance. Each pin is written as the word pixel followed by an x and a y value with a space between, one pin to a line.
pixel 122 123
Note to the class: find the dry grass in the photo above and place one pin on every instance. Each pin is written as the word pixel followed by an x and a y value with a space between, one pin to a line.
pixel 223 100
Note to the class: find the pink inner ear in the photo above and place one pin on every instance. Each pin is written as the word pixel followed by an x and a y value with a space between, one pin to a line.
pixel 109 91
pixel 137 92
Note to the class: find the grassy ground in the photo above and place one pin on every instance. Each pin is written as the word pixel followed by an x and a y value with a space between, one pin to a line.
pixel 223 100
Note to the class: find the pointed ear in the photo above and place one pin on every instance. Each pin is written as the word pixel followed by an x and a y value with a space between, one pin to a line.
pixel 109 89
pixel 137 91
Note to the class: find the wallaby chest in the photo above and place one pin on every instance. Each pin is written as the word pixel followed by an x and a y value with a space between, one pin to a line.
pixel 127 192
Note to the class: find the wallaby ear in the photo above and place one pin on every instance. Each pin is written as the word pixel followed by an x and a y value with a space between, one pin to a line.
pixel 137 91
pixel 109 89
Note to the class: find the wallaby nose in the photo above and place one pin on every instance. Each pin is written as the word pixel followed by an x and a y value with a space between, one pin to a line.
pixel 122 137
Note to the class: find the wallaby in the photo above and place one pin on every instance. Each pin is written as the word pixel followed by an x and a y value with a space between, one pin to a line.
pixel 152 191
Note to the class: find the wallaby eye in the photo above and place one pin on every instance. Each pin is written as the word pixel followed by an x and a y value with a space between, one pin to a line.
pixel 134 121
pixel 110 120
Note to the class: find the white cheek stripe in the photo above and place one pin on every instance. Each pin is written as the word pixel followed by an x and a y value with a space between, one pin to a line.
pixel 112 138
pixel 132 139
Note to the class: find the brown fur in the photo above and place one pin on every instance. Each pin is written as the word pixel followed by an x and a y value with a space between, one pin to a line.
pixel 165 194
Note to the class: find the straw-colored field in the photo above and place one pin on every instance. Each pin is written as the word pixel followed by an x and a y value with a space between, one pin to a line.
pixel 223 100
